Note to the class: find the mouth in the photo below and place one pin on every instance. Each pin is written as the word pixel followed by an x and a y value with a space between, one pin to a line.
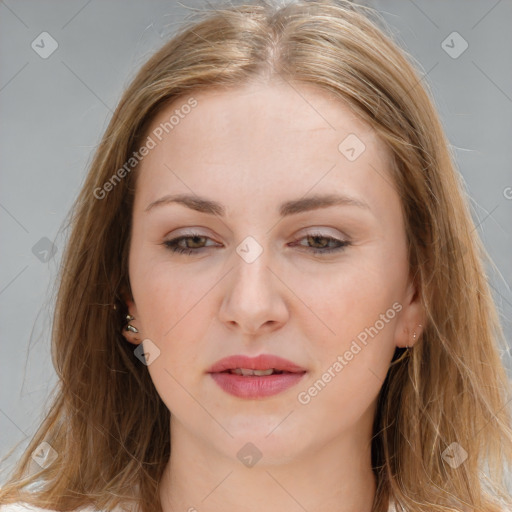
pixel 258 377
pixel 246 371
pixel 245 365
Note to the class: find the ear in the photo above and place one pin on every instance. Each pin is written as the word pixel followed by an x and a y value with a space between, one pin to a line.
pixel 412 318
pixel 132 333
pixel 130 305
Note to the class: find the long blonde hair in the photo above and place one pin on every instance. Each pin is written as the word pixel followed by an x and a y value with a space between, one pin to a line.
pixel 107 423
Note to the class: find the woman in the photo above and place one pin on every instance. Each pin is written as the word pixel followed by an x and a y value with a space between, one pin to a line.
pixel 273 297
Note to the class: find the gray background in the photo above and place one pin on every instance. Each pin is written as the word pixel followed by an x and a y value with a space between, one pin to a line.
pixel 55 110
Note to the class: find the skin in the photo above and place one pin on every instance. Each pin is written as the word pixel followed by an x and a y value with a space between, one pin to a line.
pixel 251 149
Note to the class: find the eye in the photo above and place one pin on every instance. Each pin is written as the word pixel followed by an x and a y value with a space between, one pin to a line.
pixel 323 241
pixel 174 243
pixel 181 244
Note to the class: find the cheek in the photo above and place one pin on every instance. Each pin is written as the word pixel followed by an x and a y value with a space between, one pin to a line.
pixel 352 361
pixel 344 301
pixel 175 319
pixel 174 309
pixel 164 292
pixel 354 342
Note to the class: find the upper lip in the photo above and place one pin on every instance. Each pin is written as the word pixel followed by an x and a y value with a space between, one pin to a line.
pixel 261 362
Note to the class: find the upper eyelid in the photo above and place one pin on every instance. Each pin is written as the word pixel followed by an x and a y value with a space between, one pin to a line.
pixel 306 231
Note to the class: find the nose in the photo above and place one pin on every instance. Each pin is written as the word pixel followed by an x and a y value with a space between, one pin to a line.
pixel 254 296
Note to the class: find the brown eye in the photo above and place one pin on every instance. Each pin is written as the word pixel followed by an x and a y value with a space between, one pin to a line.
pixel 323 242
pixel 196 244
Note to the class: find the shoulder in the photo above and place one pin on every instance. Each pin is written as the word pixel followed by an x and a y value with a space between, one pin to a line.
pixel 21 507
pixel 25 507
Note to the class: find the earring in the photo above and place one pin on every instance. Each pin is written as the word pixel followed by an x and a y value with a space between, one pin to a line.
pixel 413 337
pixel 130 327
pixel 408 347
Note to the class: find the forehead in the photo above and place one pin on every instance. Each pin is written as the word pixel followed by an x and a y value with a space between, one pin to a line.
pixel 260 138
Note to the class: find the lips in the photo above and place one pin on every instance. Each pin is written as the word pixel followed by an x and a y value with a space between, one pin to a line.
pixel 262 362
pixel 255 377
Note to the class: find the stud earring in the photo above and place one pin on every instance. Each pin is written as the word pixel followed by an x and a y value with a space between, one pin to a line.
pixel 413 337
pixel 130 327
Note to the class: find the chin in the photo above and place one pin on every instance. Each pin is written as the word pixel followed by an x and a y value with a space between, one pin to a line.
pixel 261 439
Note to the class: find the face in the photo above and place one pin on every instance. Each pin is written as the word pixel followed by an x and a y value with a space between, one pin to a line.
pixel 326 288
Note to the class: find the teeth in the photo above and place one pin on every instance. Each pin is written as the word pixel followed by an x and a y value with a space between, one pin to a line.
pixel 270 371
pixel 246 371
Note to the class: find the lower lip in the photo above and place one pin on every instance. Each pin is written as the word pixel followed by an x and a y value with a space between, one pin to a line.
pixel 255 386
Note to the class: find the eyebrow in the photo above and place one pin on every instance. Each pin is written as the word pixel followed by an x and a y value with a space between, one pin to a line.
pixel 292 207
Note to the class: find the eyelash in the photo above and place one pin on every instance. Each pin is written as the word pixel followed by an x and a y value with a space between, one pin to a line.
pixel 173 244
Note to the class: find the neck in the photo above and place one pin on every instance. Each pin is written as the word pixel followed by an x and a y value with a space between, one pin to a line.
pixel 336 476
